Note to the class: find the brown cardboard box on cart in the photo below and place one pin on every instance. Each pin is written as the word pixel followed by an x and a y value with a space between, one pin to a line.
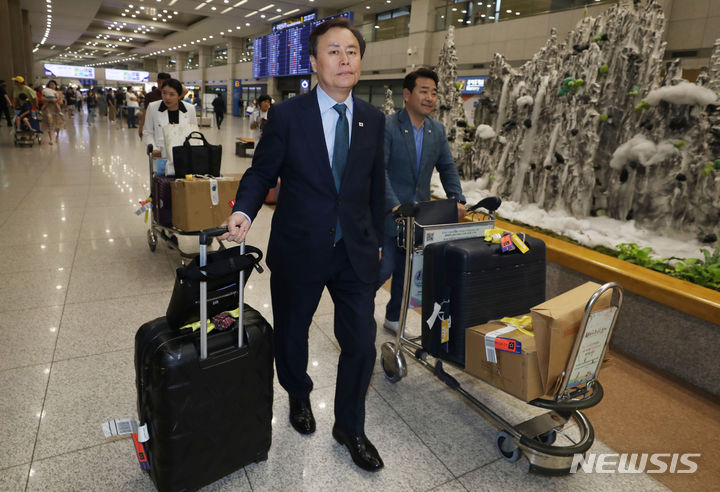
pixel 517 374
pixel 193 208
pixel 556 323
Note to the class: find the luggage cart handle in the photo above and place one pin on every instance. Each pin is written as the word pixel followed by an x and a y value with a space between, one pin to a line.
pixel 206 236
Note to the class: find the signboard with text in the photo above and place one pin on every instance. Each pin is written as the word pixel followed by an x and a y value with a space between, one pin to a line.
pixel 69 71
pixel 126 75
pixel 471 85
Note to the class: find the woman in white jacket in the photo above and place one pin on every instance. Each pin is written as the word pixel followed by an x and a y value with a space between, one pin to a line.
pixel 168 111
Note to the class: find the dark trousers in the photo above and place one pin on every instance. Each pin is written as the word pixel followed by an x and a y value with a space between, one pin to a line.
pixel 5 110
pixel 131 117
pixel 392 263
pixel 294 304
pixel 219 117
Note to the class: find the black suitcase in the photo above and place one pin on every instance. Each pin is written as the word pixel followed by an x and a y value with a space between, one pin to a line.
pixel 161 200
pixel 206 417
pixel 473 282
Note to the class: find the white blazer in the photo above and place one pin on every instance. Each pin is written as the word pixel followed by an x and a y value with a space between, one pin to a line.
pixel 156 118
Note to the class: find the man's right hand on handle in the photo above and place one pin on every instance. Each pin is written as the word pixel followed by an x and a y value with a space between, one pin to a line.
pixel 238 226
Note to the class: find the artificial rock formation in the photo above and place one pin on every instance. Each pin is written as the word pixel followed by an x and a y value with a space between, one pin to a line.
pixel 388 106
pixel 449 109
pixel 590 126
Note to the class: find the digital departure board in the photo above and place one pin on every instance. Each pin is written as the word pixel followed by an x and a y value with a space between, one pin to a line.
pixel 285 52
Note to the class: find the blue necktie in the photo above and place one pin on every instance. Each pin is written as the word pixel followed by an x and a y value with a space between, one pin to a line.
pixel 340 153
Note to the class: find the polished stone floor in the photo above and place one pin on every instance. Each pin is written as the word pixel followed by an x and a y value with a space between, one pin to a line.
pixel 78 279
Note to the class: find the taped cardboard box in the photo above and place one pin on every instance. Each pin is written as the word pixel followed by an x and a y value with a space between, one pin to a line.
pixel 201 203
pixel 556 323
pixel 514 373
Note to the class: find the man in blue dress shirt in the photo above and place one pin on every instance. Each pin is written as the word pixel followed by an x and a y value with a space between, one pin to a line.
pixel 327 147
pixel 415 145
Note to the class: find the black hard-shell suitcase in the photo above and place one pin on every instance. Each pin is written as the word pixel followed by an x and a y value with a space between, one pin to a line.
pixel 206 417
pixel 161 196
pixel 473 282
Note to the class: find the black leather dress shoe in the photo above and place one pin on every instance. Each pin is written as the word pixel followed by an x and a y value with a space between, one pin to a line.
pixel 301 416
pixel 361 449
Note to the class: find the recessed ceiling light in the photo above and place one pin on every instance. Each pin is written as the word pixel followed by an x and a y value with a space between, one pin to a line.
pixel 262 16
pixel 213 8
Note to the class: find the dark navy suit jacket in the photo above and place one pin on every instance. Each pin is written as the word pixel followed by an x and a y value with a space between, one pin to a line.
pixel 303 226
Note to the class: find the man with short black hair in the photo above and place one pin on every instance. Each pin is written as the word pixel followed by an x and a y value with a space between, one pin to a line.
pixel 327 148
pixel 415 145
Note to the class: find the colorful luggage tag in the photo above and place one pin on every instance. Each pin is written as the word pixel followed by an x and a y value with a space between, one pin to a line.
pixel 506 243
pixel 519 243
pixel 140 452
pixel 508 345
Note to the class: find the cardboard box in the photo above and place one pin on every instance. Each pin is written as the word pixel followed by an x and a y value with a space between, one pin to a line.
pixel 517 374
pixel 556 323
pixel 192 203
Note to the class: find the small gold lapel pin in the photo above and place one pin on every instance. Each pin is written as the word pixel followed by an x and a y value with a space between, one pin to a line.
pixel 406 131
pixel 429 131
pixel 360 124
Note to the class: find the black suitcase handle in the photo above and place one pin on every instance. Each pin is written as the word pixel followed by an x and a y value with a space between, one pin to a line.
pixel 205 236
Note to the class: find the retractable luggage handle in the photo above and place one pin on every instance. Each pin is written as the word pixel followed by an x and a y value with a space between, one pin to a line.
pixel 205 238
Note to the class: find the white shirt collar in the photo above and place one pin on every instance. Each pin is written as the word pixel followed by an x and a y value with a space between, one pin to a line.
pixel 326 102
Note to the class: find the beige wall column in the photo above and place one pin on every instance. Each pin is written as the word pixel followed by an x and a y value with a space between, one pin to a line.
pixel 180 61
pixel 235 46
pixel 422 23
pixel 162 62
pixel 204 58
pixel 17 40
pixel 27 48
pixel 7 66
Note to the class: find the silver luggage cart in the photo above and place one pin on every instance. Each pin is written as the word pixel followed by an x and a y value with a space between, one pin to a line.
pixel 578 389
pixel 169 234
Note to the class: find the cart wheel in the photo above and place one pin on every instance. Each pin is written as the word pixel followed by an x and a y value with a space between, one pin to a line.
pixel 152 240
pixel 393 377
pixel 548 438
pixel 507 447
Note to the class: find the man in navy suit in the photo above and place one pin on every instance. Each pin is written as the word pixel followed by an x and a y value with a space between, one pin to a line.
pixel 415 145
pixel 327 147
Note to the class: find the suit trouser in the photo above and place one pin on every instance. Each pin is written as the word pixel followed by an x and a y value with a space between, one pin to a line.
pixel 392 263
pixel 294 303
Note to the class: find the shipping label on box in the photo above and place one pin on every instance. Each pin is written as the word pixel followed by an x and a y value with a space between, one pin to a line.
pixel 504 357
pixel 556 323
pixel 202 203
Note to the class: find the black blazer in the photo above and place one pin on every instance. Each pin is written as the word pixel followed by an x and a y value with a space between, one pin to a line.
pixel 303 226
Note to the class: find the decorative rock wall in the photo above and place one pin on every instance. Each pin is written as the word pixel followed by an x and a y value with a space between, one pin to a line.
pixel 589 125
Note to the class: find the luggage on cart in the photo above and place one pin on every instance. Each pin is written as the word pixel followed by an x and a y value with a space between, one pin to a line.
pixel 473 282
pixel 162 200
pixel 206 400
pixel 272 196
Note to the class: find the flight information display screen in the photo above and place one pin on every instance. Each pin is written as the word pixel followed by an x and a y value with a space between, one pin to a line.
pixel 284 52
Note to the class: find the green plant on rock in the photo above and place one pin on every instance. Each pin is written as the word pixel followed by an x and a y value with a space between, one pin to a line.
pixel 466 146
pixel 632 253
pixel 704 272
pixel 680 143
pixel 603 69
pixel 603 117
pixel 642 106
pixel 634 91
pixel 708 169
